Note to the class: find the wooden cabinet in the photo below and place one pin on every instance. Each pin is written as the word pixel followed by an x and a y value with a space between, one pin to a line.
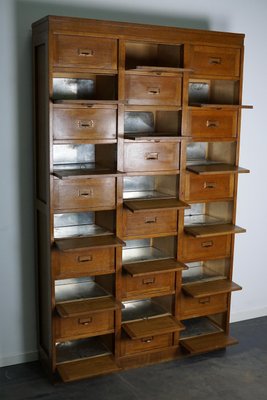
pixel 136 167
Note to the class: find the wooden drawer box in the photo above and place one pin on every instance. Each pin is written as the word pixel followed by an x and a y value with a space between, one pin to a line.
pixel 84 52
pixel 142 156
pixel 194 249
pixel 208 60
pixel 209 187
pixel 149 223
pixel 129 346
pixel 84 123
pixel 71 264
pixel 196 307
pixel 147 286
pixel 153 90
pixel 212 123
pixel 99 323
pixel 84 194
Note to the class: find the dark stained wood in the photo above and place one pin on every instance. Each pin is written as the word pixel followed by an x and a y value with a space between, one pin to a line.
pixel 191 307
pixel 195 249
pixel 203 231
pixel 209 187
pixel 130 347
pixel 85 307
pixel 222 106
pixel 199 290
pixel 212 169
pixel 207 343
pixel 154 204
pixel 155 267
pixel 88 242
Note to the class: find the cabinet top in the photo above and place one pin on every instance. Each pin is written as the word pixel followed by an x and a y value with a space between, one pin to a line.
pixel 134 31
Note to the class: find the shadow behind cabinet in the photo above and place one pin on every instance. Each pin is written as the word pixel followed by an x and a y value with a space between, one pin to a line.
pixel 136 168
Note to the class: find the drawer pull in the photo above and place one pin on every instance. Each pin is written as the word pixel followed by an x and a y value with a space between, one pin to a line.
pixel 86 52
pixel 82 259
pixel 150 220
pixel 215 60
pixel 207 244
pixel 205 300
pixel 209 185
pixel 148 281
pixel 85 124
pixel 85 193
pixel 153 90
pixel 147 340
pixel 212 123
pixel 152 156
pixel 86 321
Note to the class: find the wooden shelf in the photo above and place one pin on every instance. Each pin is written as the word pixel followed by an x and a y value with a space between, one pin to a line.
pixel 221 106
pixel 210 288
pixel 213 169
pixel 81 173
pixel 88 242
pixel 154 267
pixel 152 327
pixel 202 231
pixel 140 205
pixel 87 368
pixel 84 307
pixel 89 103
pixel 207 343
pixel 153 138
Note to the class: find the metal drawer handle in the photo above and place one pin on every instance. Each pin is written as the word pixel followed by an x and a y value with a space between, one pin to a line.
pixel 153 90
pixel 212 123
pixel 205 300
pixel 207 244
pixel 215 60
pixel 86 321
pixel 85 193
pixel 152 156
pixel 82 259
pixel 147 340
pixel 209 185
pixel 149 281
pixel 86 52
pixel 86 124
pixel 150 220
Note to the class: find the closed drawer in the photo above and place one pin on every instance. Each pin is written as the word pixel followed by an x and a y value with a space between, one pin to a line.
pixel 153 90
pixel 149 223
pixel 147 286
pixel 83 51
pixel 84 194
pixel 90 325
pixel 212 123
pixel 209 60
pixel 194 249
pixel 84 263
pixel 84 123
pixel 141 157
pixel 191 307
pixel 209 187
pixel 129 346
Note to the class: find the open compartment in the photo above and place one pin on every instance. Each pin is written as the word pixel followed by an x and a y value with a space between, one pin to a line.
pixel 213 91
pixel 150 249
pixel 146 187
pixel 205 271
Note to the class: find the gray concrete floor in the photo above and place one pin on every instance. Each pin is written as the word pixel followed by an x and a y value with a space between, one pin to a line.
pixel 239 373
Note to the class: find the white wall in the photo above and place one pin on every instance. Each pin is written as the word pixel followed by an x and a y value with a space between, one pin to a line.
pixel 17 292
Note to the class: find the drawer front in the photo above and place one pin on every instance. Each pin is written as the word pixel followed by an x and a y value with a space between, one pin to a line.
pixel 84 263
pixel 147 286
pixel 81 123
pixel 129 346
pixel 85 326
pixel 212 123
pixel 191 307
pixel 84 194
pixel 87 52
pixel 209 187
pixel 210 60
pixel 141 157
pixel 149 223
pixel 153 90
pixel 195 249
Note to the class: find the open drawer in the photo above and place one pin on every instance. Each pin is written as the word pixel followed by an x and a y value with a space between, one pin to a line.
pixel 203 344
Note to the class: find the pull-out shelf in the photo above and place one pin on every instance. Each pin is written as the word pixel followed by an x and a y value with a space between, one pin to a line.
pixel 88 242
pixel 74 309
pixel 202 231
pixel 216 168
pixel 139 205
pixel 203 344
pixel 210 288
pixel 153 267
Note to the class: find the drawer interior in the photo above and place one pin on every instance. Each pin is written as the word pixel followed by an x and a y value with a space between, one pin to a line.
pixel 78 289
pixel 210 213
pixel 200 326
pixel 136 310
pixel 213 91
pixel 150 186
pixel 204 271
pixel 148 249
pixel 210 153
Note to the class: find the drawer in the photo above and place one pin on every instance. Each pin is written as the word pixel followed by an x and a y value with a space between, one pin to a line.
pixel 71 264
pixel 142 157
pixel 191 307
pixel 195 249
pixel 212 123
pixel 84 194
pixel 84 123
pixel 129 346
pixel 149 223
pixel 94 324
pixel 85 52
pixel 209 60
pixel 209 187
pixel 153 90
pixel 147 286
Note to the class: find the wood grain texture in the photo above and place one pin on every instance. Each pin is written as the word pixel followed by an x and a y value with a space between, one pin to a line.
pixel 78 308
pixel 213 169
pixel 155 267
pixel 154 204
pixel 207 343
pixel 88 242
pixel 199 290
pixel 203 231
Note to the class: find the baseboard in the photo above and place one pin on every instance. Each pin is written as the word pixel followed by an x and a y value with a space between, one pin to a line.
pixel 248 314
pixel 19 358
